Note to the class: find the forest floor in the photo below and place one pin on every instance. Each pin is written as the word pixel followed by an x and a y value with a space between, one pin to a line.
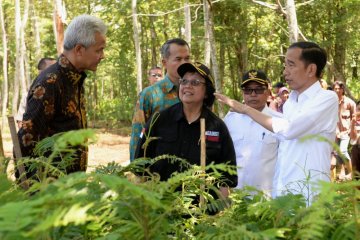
pixel 109 147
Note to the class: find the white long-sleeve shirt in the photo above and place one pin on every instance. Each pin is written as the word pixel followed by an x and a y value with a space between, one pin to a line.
pixel 256 150
pixel 302 163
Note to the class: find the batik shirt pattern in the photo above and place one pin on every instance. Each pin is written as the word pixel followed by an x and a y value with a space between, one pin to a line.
pixel 155 98
pixel 55 103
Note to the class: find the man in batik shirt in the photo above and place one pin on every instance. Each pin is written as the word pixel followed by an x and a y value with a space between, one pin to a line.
pixel 56 102
pixel 162 94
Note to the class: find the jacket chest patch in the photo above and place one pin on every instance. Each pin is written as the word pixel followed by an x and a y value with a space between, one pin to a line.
pixel 212 136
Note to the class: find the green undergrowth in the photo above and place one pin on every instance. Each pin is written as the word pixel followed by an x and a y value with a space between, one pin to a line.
pixel 114 203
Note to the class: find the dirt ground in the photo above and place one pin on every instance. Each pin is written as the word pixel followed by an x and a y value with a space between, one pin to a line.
pixel 108 148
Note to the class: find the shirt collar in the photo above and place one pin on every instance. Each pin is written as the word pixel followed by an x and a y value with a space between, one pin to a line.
pixel 168 85
pixel 309 93
pixel 179 115
pixel 72 73
pixel 266 110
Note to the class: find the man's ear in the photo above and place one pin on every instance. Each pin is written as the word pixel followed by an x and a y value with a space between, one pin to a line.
pixel 163 61
pixel 78 49
pixel 311 69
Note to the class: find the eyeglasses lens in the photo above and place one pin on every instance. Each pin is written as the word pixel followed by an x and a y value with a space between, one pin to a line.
pixel 249 91
pixel 194 82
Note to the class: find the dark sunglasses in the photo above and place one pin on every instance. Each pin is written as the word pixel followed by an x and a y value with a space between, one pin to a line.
pixel 156 75
pixel 249 91
pixel 194 82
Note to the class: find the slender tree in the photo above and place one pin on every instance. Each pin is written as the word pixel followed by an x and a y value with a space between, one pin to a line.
pixel 19 64
pixel 25 77
pixel 206 37
pixel 292 21
pixel 187 22
pixel 154 51
pixel 59 17
pixel 35 23
pixel 5 86
pixel 209 26
pixel 137 46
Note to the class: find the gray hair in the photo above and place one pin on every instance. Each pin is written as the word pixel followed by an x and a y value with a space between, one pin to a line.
pixel 82 31
pixel 165 49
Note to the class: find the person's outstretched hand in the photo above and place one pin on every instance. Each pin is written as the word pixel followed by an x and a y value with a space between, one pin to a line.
pixel 234 105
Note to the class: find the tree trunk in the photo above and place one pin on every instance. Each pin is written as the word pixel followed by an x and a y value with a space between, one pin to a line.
pixel 166 25
pixel 35 24
pixel 5 94
pixel 210 28
pixel 292 21
pixel 234 75
pixel 27 69
pixel 25 77
pixel 19 67
pixel 154 51
pixel 354 66
pixel 187 22
pixel 341 38
pixel 222 63
pixel 241 51
pixel 58 21
pixel 206 37
pixel 144 40
pixel 137 46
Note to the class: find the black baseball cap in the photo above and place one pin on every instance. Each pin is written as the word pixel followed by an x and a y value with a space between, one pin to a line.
pixel 198 67
pixel 255 76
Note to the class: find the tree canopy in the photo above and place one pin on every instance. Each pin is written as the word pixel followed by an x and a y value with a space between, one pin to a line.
pixel 248 34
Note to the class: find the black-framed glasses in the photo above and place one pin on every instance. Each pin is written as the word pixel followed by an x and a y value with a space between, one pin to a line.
pixel 156 75
pixel 249 91
pixel 195 82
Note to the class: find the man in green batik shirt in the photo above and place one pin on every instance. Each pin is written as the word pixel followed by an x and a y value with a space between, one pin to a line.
pixel 162 94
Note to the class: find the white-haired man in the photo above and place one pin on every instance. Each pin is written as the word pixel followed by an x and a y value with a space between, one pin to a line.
pixel 55 102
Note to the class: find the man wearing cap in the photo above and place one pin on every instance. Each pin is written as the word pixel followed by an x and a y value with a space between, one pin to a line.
pixel 256 147
pixel 177 128
pixel 310 110
pixel 162 94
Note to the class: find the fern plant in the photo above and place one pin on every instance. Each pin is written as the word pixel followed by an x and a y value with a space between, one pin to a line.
pixel 105 204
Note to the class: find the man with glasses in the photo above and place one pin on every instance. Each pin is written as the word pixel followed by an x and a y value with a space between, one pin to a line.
pixel 162 94
pixel 155 75
pixel 310 112
pixel 256 147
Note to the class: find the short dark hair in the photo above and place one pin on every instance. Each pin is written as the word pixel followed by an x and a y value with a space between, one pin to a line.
pixel 312 53
pixel 279 85
pixel 154 68
pixel 165 48
pixel 210 97
pixel 42 63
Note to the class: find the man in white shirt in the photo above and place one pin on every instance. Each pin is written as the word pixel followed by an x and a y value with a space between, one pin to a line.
pixel 256 147
pixel 310 110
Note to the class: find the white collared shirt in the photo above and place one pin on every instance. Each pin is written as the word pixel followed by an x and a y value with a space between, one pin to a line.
pixel 256 150
pixel 313 112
